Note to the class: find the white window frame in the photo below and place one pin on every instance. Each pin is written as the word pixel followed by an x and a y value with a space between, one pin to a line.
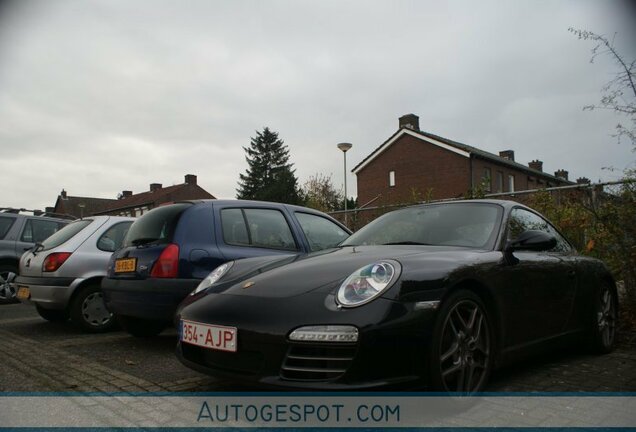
pixel 391 178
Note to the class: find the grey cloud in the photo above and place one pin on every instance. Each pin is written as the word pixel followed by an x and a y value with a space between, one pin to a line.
pixel 99 96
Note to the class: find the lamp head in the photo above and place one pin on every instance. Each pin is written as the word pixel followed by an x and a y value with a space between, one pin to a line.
pixel 345 146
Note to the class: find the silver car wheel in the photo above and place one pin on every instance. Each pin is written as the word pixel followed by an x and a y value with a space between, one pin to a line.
pixel 94 310
pixel 6 291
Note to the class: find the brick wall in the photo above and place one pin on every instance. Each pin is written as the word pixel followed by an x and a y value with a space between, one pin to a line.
pixel 419 167
pixel 425 171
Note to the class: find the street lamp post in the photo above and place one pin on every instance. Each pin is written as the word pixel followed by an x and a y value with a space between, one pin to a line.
pixel 345 147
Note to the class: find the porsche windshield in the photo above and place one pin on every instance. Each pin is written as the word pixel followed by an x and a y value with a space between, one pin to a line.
pixel 472 225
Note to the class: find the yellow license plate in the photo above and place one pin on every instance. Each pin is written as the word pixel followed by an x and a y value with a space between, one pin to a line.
pixel 125 265
pixel 23 293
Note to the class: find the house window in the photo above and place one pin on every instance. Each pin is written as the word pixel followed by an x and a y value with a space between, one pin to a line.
pixel 499 181
pixel 486 180
pixel 391 178
pixel 511 183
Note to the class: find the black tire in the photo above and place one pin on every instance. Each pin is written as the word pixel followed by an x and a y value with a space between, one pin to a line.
pixel 7 273
pixel 52 315
pixel 462 350
pixel 602 336
pixel 88 311
pixel 140 327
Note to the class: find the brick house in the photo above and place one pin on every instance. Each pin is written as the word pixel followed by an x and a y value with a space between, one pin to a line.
pixel 132 205
pixel 413 164
pixel 79 206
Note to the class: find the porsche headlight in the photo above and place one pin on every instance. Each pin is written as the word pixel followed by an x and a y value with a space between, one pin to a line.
pixel 213 277
pixel 367 283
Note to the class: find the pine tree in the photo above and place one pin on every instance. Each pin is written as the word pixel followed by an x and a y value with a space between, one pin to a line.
pixel 269 176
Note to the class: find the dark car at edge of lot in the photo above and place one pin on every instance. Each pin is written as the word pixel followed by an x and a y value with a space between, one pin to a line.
pixel 432 295
pixel 19 232
pixel 169 250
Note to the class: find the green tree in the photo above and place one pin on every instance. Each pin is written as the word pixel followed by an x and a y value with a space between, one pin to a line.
pixel 320 194
pixel 269 176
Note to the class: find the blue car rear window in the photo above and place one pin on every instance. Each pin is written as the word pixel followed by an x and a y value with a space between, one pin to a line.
pixel 156 226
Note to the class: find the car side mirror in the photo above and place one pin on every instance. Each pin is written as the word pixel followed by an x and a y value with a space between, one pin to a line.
pixel 532 240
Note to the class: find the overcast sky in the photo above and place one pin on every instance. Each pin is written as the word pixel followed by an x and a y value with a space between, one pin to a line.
pixel 101 96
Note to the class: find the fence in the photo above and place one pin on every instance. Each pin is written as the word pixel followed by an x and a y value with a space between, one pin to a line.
pixel 358 217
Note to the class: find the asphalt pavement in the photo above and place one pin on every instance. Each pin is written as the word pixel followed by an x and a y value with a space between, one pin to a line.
pixel 39 356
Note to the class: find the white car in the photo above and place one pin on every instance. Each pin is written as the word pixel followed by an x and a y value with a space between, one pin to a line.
pixel 62 275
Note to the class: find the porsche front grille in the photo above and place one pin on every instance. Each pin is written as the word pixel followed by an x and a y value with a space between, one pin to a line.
pixel 317 362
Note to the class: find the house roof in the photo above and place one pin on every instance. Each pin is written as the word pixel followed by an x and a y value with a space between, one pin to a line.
pixel 182 191
pixel 454 146
pixel 71 205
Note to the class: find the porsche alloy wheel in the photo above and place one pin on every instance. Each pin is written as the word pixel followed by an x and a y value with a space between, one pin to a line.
pixel 462 345
pixel 604 329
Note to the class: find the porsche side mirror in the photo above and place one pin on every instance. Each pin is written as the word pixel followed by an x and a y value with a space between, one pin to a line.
pixel 532 240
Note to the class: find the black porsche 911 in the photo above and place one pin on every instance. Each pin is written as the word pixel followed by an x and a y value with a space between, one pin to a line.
pixel 433 295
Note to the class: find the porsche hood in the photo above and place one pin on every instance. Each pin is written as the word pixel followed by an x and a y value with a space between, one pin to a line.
pixel 324 271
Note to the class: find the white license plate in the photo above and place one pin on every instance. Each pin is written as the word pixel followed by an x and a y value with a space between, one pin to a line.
pixel 208 336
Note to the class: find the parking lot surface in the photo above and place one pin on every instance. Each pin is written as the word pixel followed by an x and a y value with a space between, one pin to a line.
pixel 39 356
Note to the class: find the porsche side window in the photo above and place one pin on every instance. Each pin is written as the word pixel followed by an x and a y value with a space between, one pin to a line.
pixel 522 220
pixel 321 233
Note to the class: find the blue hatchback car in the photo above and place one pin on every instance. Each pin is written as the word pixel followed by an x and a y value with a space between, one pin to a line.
pixel 169 250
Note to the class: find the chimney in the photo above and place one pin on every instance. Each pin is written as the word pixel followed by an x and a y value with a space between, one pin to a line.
pixel 507 154
pixel 583 180
pixel 127 193
pixel 410 121
pixel 536 165
pixel 191 179
pixel 63 194
pixel 155 187
pixel 561 174
pixel 49 209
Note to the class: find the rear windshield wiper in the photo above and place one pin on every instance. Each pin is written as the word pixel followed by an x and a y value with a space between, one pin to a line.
pixel 37 248
pixel 143 240
pixel 406 243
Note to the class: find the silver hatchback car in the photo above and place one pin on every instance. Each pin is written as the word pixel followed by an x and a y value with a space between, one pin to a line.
pixel 62 275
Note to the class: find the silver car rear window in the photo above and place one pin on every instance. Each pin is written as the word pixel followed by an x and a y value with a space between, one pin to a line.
pixel 65 233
